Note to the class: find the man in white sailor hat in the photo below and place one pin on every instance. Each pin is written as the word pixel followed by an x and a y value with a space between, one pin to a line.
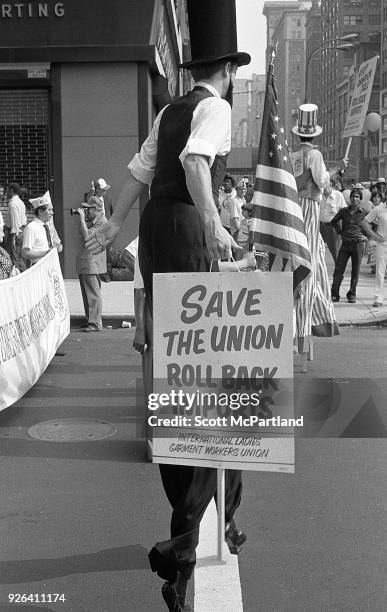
pixel 38 237
pixel 314 308
pixel 100 189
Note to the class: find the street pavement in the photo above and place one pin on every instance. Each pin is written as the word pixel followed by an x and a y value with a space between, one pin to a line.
pixel 79 514
pixel 118 304
pixel 78 517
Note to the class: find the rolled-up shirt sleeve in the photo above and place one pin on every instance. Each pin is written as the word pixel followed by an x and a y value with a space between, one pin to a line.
pixel 210 130
pixel 143 164
pixel 28 238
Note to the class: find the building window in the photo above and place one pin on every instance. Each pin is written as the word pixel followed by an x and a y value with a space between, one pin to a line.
pixel 353 2
pixel 24 138
pixel 345 71
pixel 384 145
pixel 353 19
pixel 374 20
pixel 384 127
pixel 384 101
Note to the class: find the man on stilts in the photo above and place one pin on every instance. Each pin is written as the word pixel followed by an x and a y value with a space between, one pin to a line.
pixel 184 161
pixel 314 309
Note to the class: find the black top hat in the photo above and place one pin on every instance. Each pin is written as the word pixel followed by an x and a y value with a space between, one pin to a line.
pixel 212 27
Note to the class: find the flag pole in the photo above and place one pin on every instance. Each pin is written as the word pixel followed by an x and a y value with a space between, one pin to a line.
pixel 346 158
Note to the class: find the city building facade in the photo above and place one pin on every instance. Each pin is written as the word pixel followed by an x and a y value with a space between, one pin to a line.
pixel 247 111
pixel 288 39
pixel 340 18
pixel 383 93
pixel 313 34
pixel 80 84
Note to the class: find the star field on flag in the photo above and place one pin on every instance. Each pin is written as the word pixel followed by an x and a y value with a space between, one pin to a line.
pixel 277 224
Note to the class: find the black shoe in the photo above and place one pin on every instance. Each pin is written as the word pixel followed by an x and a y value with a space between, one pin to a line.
pixel 234 537
pixel 171 598
pixel 335 298
pixel 91 328
pixel 351 298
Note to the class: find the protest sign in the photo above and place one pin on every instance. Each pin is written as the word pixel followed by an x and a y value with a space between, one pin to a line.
pixel 360 98
pixel 34 321
pixel 223 370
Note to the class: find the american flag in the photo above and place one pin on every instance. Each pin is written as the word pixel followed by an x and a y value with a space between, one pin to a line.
pixel 277 223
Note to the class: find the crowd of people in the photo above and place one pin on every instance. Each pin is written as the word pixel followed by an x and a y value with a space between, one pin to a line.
pixel 24 243
pixel 353 224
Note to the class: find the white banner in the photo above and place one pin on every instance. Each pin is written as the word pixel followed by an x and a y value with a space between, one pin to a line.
pixel 223 371
pixel 360 98
pixel 34 321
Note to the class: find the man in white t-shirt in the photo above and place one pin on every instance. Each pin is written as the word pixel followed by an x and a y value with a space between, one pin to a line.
pixel 235 208
pixel 378 217
pixel 225 196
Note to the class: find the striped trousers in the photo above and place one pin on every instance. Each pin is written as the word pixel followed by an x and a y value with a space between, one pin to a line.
pixel 314 309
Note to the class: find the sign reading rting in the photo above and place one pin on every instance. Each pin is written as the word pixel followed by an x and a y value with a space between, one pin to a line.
pixel 223 368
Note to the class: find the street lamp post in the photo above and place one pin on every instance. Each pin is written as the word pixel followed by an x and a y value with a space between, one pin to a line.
pixel 344 44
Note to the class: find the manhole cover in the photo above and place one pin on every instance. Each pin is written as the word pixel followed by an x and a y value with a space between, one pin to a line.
pixel 72 430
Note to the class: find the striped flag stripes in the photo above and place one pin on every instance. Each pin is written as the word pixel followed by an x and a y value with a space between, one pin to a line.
pixel 277 223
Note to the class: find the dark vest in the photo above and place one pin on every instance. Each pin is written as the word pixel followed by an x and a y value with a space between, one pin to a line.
pixel 174 130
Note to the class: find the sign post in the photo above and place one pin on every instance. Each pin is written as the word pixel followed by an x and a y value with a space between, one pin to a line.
pixel 360 100
pixel 222 392
pixel 221 496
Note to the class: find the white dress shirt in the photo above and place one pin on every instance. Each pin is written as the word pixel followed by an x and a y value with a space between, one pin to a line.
pixel 16 217
pixel 330 205
pixel 210 136
pixel 35 238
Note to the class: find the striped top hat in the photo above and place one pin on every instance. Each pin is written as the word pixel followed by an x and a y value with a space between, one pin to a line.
pixel 307 121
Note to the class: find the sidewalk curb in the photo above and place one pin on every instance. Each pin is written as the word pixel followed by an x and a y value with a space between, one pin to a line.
pixel 114 321
pixel 375 323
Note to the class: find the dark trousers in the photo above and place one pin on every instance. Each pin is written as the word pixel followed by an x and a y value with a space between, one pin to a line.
pixel 331 238
pixel 171 239
pixel 13 245
pixel 355 252
pixel 189 490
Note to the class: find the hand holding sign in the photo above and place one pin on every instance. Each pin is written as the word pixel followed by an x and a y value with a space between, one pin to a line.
pixel 219 242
